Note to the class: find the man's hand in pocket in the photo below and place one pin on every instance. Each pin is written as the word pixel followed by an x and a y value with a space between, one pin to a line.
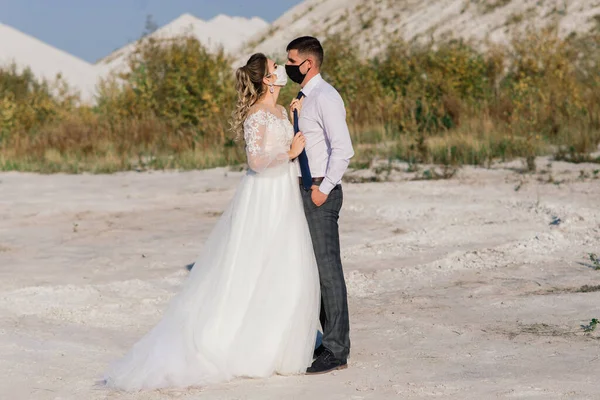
pixel 317 196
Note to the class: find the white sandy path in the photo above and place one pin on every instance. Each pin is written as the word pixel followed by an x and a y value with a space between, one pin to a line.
pixel 453 284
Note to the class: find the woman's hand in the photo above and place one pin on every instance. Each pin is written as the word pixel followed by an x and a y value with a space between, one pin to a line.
pixel 296 105
pixel 297 146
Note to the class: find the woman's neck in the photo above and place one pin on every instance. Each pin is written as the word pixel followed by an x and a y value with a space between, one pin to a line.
pixel 270 99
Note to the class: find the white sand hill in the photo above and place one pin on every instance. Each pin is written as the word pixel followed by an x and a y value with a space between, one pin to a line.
pixel 228 33
pixel 371 23
pixel 46 61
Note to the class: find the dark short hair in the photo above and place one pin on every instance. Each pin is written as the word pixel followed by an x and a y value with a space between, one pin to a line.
pixel 308 45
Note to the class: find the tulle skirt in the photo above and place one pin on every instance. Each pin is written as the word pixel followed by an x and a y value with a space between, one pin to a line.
pixel 250 306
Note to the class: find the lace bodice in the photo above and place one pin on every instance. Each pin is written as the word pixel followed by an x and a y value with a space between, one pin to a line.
pixel 268 138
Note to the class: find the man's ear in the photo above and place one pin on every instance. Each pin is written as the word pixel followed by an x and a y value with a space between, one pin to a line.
pixel 311 63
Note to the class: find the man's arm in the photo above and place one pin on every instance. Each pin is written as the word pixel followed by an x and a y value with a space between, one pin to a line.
pixel 333 115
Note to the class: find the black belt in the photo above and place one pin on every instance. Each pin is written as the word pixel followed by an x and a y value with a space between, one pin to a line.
pixel 315 181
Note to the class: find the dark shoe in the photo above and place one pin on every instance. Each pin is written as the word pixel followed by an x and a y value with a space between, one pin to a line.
pixel 325 363
pixel 318 351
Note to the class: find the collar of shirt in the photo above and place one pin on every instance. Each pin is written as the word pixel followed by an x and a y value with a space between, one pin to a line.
pixel 313 83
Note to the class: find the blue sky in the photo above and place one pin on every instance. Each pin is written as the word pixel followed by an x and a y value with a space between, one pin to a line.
pixel 91 29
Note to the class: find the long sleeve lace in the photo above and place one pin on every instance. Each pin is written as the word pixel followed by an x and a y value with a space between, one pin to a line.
pixel 262 147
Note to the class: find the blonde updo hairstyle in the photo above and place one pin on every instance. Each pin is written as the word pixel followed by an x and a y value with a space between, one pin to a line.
pixel 250 87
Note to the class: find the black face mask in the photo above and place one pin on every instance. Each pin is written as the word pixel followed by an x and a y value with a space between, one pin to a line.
pixel 293 72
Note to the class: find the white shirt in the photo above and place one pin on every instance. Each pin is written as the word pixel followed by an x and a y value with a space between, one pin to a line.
pixel 323 123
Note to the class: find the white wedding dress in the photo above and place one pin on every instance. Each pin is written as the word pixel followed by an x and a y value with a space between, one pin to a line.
pixel 250 305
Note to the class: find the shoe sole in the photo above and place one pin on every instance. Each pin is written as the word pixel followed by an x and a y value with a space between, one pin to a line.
pixel 341 367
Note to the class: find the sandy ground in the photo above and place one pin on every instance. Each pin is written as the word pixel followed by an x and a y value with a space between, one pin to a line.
pixel 468 288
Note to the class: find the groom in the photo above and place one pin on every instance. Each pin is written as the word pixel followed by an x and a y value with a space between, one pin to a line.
pixel 329 149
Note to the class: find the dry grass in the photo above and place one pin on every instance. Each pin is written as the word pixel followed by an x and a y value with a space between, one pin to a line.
pixel 447 105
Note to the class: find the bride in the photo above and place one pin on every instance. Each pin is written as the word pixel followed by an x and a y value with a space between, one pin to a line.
pixel 249 307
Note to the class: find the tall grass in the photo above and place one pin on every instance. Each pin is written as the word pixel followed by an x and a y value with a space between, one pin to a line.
pixel 446 103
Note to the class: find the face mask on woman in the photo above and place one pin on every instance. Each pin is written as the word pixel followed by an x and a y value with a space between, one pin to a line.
pixel 281 76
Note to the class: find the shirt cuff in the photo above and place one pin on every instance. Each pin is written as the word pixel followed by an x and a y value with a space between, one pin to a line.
pixel 326 187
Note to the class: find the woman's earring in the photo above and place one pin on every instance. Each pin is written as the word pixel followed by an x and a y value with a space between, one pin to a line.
pixel 271 88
